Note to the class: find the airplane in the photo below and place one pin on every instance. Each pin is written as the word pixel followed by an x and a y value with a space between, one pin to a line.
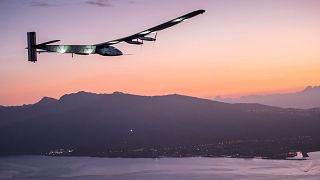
pixel 103 49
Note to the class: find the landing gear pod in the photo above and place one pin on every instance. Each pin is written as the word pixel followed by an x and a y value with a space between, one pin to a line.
pixel 32 51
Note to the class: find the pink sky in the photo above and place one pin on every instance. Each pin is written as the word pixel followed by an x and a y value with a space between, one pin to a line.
pixel 235 48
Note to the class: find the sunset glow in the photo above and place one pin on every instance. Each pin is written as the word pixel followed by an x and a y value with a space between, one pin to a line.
pixel 236 48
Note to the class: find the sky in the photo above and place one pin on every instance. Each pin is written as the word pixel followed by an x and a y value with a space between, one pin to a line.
pixel 236 48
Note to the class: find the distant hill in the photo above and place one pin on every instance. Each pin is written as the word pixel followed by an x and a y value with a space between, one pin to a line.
pixel 90 123
pixel 305 99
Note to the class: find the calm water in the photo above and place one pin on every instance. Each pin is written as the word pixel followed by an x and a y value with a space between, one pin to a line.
pixel 85 168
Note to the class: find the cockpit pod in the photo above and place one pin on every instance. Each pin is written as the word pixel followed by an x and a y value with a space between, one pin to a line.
pixel 108 51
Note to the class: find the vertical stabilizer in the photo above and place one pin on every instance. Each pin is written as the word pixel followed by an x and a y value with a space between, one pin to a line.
pixel 32 51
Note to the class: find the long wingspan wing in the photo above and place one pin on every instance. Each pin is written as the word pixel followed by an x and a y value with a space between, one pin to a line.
pixel 160 27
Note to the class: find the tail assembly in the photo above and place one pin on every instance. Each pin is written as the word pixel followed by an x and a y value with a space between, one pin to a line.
pixel 32 51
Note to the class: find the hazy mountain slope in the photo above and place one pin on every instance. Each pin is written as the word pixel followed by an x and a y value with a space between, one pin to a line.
pixel 305 99
pixel 92 122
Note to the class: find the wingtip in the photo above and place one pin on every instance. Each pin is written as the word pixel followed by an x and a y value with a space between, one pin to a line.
pixel 197 12
pixel 202 11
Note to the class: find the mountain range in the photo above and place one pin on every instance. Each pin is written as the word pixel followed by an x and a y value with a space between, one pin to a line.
pixel 305 99
pixel 89 123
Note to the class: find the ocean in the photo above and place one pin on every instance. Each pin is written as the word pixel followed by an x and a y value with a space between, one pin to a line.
pixel 89 168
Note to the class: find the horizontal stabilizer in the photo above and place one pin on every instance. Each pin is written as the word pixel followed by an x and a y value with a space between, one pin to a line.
pixel 49 42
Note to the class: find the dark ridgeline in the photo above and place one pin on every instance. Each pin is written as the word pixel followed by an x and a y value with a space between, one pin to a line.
pixel 173 125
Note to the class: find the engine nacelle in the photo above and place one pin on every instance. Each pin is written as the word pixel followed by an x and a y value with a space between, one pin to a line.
pixel 147 38
pixel 134 42
pixel 108 51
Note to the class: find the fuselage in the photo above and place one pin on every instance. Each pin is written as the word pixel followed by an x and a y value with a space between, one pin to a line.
pixel 82 49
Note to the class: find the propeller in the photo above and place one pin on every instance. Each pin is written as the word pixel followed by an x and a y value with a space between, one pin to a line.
pixel 155 37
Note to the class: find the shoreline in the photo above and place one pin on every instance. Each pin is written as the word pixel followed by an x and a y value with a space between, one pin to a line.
pixel 161 157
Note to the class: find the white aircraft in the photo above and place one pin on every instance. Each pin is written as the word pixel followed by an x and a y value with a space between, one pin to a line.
pixel 104 49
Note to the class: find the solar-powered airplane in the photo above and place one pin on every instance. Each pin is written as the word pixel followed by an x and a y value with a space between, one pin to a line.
pixel 104 49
